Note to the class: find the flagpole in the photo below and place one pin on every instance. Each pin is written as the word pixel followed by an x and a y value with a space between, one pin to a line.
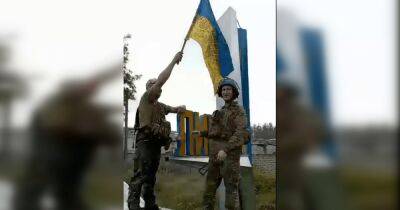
pixel 187 34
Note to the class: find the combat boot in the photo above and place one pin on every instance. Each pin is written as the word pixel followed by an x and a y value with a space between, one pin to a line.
pixel 133 202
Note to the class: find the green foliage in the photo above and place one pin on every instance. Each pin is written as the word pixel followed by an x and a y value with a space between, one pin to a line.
pixel 180 191
pixel 129 77
pixel 264 131
pixel 369 189
pixel 265 189
pixel 129 84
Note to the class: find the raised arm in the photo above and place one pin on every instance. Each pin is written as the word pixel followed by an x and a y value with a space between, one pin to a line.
pixel 164 76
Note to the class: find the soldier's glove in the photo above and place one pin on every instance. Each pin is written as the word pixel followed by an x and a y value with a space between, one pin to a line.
pixel 181 109
pixel 166 147
pixel 221 156
pixel 200 133
pixel 204 134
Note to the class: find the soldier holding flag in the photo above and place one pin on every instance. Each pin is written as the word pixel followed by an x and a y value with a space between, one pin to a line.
pixel 153 133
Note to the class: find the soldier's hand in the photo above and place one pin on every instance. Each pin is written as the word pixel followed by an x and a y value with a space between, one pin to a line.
pixel 181 109
pixel 204 133
pixel 166 147
pixel 178 57
pixel 195 133
pixel 199 133
pixel 221 155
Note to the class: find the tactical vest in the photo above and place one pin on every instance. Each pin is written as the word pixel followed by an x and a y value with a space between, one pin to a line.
pixel 150 121
pixel 222 125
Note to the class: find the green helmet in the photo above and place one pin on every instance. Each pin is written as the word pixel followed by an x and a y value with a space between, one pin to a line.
pixel 230 82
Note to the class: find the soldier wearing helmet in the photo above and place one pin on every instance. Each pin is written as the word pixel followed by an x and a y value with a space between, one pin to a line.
pixel 227 134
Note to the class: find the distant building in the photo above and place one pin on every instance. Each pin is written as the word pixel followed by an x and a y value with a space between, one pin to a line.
pixel 264 146
pixel 264 155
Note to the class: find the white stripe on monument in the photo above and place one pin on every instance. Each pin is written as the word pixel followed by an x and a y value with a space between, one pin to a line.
pixel 228 25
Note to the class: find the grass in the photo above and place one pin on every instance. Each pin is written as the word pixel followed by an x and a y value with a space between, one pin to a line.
pixel 369 189
pixel 103 187
pixel 184 191
pixel 265 189
pixel 180 191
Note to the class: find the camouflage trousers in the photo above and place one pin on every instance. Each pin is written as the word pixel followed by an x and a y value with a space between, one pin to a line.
pixel 229 171
pixel 144 177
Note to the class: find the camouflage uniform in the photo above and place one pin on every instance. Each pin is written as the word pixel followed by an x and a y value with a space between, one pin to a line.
pixel 152 119
pixel 227 132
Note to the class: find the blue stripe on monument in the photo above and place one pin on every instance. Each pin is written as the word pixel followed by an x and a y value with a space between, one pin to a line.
pixel 242 33
pixel 178 143
pixel 187 136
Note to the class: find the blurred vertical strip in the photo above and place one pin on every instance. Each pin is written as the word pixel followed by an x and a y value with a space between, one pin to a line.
pixel 314 55
pixel 344 69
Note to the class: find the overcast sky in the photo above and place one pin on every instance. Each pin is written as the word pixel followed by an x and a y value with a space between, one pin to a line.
pixel 53 40
pixel 158 33
pixel 360 50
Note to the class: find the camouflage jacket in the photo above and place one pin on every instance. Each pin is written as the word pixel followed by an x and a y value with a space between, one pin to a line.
pixel 228 129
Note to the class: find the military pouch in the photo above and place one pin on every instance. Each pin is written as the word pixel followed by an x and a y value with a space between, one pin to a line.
pixel 161 132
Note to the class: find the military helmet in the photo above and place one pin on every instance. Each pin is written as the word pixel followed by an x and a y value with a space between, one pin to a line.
pixel 230 82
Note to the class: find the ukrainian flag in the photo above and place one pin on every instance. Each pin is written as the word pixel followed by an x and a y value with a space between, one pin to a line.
pixel 206 32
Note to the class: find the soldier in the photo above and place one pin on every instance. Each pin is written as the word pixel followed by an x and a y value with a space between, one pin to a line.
pixel 153 133
pixel 227 134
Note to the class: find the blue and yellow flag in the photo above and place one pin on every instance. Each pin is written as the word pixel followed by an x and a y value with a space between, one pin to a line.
pixel 206 32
